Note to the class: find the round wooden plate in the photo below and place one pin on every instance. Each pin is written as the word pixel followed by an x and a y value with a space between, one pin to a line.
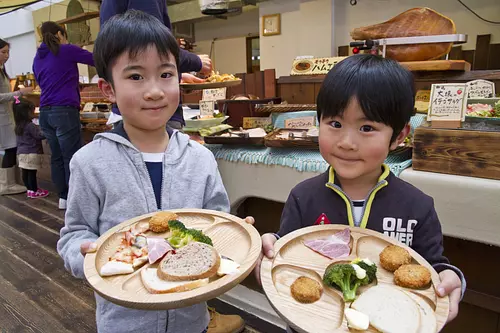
pixel 209 85
pixel 231 236
pixel 293 259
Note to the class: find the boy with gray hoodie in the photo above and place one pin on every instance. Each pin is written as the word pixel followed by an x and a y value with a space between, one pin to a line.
pixel 136 58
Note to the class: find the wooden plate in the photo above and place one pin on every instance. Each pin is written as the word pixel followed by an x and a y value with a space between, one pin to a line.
pixel 209 85
pixel 232 237
pixel 294 259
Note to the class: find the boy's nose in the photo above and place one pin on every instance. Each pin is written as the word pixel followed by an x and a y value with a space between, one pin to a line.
pixel 347 142
pixel 154 93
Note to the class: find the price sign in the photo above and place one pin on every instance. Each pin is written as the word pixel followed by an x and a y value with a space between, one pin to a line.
pixel 207 108
pixel 300 123
pixel 254 122
pixel 480 89
pixel 214 94
pixel 448 102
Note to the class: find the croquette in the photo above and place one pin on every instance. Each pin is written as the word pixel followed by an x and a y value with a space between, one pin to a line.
pixel 412 276
pixel 306 290
pixel 159 221
pixel 393 257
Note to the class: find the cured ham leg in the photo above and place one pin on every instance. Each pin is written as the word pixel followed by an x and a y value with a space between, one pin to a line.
pixel 413 22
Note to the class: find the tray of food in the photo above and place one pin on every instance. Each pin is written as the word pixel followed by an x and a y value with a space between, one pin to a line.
pixel 483 110
pixel 215 80
pixel 252 136
pixel 174 259
pixel 293 138
pixel 336 278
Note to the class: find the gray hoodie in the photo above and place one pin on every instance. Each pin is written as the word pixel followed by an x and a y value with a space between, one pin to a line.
pixel 109 184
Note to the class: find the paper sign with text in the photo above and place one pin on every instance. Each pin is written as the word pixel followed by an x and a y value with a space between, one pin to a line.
pixel 448 102
pixel 214 94
pixel 254 122
pixel 314 66
pixel 422 99
pixel 300 123
pixel 88 107
pixel 480 89
pixel 207 108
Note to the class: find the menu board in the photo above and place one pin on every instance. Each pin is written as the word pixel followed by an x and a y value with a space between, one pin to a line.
pixel 214 94
pixel 448 102
pixel 300 123
pixel 314 66
pixel 480 89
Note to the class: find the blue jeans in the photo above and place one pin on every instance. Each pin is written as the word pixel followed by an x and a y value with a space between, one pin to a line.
pixel 61 126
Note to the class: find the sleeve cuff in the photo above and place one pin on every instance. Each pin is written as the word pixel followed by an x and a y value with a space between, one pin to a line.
pixel 442 266
pixel 277 236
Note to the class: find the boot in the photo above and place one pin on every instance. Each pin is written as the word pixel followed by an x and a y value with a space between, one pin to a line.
pixel 8 182
pixel 220 323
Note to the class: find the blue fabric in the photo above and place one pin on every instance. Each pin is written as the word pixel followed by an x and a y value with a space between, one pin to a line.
pixel 155 170
pixel 61 126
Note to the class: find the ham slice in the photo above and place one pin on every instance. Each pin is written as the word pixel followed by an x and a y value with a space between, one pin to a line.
pixel 413 22
pixel 157 248
pixel 334 247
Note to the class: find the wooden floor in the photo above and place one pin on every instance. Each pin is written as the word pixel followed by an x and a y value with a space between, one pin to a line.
pixel 36 293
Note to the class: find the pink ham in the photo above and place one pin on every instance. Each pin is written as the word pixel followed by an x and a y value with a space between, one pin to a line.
pixel 157 248
pixel 333 247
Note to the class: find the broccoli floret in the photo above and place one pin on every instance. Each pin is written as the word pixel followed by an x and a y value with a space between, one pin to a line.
pixel 371 271
pixel 342 277
pixel 181 236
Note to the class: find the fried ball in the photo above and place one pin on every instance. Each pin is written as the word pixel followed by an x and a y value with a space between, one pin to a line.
pixel 159 221
pixel 393 257
pixel 306 290
pixel 412 276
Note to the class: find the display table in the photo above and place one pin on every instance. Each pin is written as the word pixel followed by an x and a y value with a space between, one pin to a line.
pixel 467 207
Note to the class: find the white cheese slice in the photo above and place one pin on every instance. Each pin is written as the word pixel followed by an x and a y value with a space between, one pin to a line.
pixel 356 320
pixel 116 268
pixel 227 267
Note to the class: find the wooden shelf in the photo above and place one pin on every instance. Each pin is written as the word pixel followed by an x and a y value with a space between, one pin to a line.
pixel 78 18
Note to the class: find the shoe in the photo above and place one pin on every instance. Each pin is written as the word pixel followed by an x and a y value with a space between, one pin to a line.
pixel 220 323
pixel 38 194
pixel 8 182
pixel 62 203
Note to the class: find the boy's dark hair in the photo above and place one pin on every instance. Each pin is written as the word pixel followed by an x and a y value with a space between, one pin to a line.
pixel 22 114
pixel 49 32
pixel 384 90
pixel 131 32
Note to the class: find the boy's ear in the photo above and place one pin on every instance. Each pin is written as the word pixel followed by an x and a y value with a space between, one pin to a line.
pixel 401 137
pixel 107 90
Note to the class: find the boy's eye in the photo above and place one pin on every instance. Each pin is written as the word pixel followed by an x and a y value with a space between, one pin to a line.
pixel 166 75
pixel 135 77
pixel 336 124
pixel 366 128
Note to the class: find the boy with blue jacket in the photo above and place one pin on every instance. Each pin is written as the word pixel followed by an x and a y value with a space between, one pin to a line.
pixel 137 58
pixel 364 108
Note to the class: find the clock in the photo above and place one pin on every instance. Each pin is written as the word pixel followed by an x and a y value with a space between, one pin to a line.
pixel 271 25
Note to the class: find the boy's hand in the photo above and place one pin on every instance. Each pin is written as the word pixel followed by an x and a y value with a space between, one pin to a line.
pixel 88 247
pixel 249 220
pixel 268 241
pixel 206 65
pixel 450 286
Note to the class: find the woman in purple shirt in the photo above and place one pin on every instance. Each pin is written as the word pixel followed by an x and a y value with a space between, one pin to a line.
pixel 56 71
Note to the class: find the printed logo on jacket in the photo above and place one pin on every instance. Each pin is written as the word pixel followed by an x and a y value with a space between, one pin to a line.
pixel 398 229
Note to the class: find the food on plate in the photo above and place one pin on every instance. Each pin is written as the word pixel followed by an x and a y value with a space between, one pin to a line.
pixel 192 262
pixel 349 277
pixel 155 285
pixel 356 320
pixel 246 133
pixel 181 236
pixel 216 77
pixel 412 276
pixel 159 222
pixel 413 22
pixel 157 248
pixel 483 110
pixel 390 310
pixel 393 257
pixel 428 321
pixel 306 290
pixel 116 268
pixel 227 267
pixel 334 247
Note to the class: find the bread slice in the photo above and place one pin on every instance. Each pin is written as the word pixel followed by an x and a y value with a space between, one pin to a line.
pixel 192 262
pixel 390 310
pixel 155 285
pixel 428 321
